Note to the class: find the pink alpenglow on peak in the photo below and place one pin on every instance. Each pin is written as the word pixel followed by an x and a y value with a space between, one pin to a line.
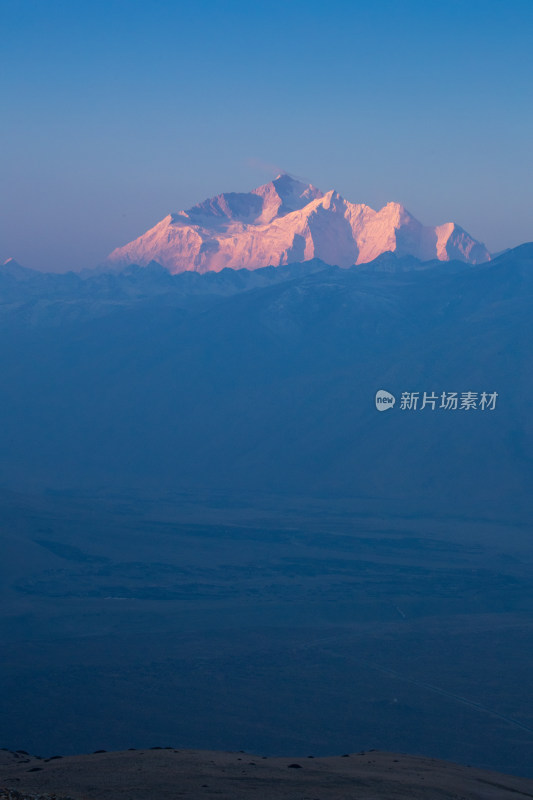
pixel 285 221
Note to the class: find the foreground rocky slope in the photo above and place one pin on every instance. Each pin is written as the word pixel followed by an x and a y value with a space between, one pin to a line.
pixel 169 773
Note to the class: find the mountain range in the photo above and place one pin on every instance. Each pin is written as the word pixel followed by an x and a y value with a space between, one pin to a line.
pixel 264 380
pixel 287 221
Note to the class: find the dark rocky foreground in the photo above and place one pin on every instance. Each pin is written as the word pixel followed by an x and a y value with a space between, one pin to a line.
pixel 166 773
pixel 12 794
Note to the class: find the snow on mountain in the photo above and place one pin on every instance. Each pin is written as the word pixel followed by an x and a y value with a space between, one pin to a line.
pixel 286 221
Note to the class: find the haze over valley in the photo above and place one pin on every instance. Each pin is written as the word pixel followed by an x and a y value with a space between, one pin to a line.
pixel 210 535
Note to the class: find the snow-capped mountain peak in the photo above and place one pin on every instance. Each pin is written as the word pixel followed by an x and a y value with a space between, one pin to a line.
pixel 287 220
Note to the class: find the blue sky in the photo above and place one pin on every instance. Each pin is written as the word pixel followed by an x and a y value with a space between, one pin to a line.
pixel 115 113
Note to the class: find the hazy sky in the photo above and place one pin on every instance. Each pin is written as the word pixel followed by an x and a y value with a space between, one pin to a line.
pixel 115 113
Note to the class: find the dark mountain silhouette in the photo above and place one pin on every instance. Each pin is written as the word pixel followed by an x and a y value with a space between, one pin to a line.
pixel 265 380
